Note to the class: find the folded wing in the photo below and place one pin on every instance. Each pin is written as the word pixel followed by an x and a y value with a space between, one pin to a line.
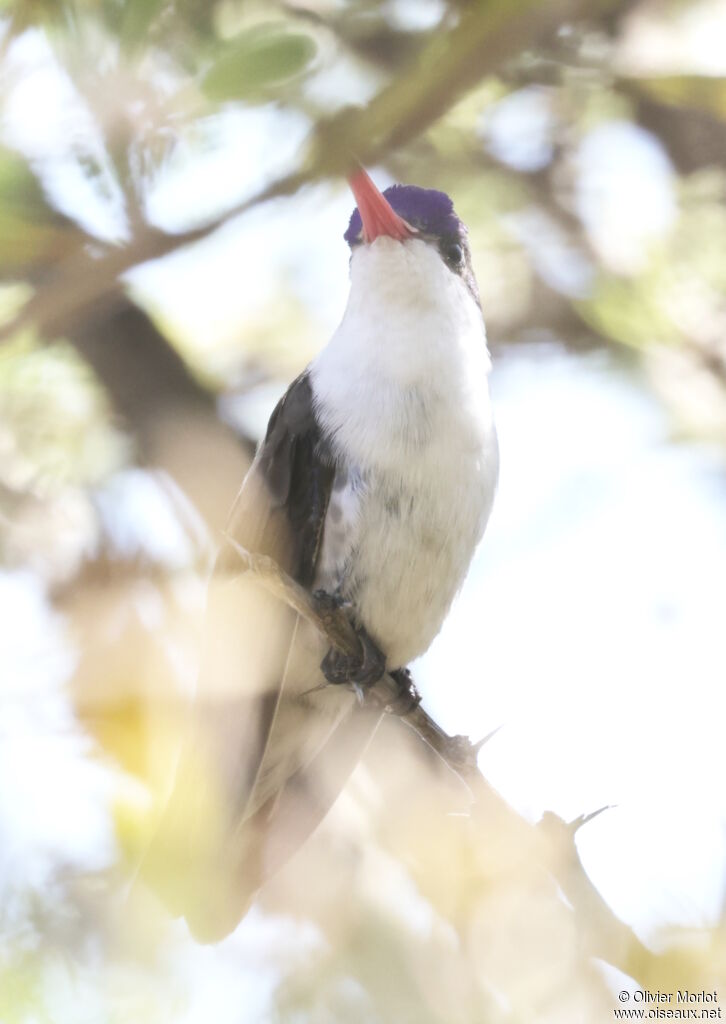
pixel 269 747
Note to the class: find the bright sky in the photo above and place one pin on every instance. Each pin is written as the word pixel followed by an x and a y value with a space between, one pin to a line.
pixel 598 595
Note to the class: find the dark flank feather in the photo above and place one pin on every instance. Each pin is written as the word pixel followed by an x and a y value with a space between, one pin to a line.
pixel 298 469
pixel 266 757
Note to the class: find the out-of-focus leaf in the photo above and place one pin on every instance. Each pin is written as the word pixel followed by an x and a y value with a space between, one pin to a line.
pixel 20 989
pixel 12 299
pixel 56 418
pixel 29 228
pixel 258 58
pixel 138 16
pixel 26 13
pixel 689 92
pixel 21 243
pixel 20 190
pixel 631 314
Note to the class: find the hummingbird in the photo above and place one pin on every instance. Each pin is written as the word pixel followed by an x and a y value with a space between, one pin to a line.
pixel 372 489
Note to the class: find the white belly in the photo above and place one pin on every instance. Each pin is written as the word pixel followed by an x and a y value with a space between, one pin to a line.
pixel 398 546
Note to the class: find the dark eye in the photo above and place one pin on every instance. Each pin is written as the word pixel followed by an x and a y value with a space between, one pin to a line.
pixel 454 255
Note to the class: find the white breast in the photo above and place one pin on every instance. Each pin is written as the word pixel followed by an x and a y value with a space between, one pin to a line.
pixel 402 390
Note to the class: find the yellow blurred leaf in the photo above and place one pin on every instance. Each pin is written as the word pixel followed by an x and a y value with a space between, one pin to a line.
pixel 691 92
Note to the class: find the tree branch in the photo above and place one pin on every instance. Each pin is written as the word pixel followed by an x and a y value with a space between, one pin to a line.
pixel 333 623
pixel 551 842
pixel 448 66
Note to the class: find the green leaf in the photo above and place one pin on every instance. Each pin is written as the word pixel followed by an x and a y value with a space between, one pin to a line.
pixel 29 229
pixel 258 58
pixel 138 16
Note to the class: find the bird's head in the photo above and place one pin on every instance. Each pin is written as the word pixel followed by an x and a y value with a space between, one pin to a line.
pixel 411 226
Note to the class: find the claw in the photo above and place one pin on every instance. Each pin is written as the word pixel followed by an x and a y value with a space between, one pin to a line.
pixel 363 670
pixel 408 696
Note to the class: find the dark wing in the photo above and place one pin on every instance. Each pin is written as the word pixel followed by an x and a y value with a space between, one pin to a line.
pixel 268 752
pixel 295 467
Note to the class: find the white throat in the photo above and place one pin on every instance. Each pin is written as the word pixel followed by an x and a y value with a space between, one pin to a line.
pixel 409 355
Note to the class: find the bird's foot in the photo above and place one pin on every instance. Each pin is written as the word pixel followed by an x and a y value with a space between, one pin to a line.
pixel 408 698
pixel 361 670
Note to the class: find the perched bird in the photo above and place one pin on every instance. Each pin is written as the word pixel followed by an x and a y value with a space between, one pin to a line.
pixel 372 486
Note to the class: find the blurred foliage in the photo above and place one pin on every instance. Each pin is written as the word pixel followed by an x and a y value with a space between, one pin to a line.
pixel 686 92
pixel 255 60
pixel 55 416
pixel 118 117
pixel 30 232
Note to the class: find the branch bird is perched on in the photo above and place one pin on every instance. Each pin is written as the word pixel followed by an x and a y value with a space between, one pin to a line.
pixel 373 485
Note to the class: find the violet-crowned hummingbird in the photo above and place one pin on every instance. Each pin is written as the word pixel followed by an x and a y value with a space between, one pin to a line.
pixel 373 485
